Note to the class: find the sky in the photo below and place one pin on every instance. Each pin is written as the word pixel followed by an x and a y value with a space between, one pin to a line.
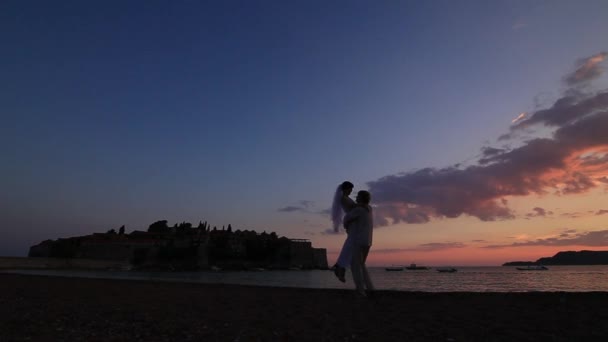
pixel 478 127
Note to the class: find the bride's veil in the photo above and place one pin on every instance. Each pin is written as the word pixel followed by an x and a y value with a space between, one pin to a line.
pixel 336 209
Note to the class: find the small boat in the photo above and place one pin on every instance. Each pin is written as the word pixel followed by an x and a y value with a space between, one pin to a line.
pixel 394 268
pixel 532 268
pixel 446 269
pixel 416 267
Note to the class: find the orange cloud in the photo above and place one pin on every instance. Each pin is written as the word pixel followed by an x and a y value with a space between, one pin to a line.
pixel 520 117
pixel 573 160
pixel 567 238
pixel 588 68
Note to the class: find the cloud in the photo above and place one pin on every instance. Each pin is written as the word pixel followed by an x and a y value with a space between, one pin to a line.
pixel 572 215
pixel 303 206
pixel 538 212
pixel 592 239
pixel 519 237
pixel 438 246
pixel 572 159
pixel 595 159
pixel 565 110
pixel 520 117
pixel 587 69
pixel 538 166
pixel 427 247
pixel 290 209
pixel 306 204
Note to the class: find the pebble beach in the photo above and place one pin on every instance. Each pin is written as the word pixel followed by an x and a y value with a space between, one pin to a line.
pixel 43 308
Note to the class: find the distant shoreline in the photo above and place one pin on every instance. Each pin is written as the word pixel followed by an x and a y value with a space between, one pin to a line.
pixel 60 263
pixel 40 263
pixel 568 258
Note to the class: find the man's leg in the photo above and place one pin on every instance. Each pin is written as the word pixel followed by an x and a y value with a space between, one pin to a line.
pixel 356 267
pixel 366 278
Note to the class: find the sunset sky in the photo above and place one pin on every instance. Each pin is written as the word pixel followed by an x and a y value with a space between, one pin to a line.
pixel 479 127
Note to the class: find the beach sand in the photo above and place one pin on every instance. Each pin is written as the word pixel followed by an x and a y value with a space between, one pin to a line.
pixel 36 308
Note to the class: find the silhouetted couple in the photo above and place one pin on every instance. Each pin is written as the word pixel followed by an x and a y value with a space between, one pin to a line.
pixel 358 223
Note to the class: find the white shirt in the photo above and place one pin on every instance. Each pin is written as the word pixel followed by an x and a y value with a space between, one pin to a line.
pixel 360 225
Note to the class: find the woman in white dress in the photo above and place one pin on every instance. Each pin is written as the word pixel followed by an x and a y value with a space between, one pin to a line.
pixel 343 204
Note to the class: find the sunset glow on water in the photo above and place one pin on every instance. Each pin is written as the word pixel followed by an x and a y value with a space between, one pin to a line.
pixel 466 279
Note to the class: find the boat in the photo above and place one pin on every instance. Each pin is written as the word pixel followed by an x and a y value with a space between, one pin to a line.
pixel 394 268
pixel 532 268
pixel 446 269
pixel 416 267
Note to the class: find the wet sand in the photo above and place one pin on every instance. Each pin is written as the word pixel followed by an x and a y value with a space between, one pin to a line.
pixel 39 308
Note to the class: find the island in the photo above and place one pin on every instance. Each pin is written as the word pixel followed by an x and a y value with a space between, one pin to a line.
pixel 567 258
pixel 184 247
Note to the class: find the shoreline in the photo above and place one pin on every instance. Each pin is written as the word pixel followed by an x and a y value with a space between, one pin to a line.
pixel 59 308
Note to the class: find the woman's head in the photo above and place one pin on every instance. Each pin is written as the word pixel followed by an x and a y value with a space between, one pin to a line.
pixel 347 187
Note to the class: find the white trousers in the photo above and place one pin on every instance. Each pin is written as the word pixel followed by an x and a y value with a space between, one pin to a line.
pixel 361 276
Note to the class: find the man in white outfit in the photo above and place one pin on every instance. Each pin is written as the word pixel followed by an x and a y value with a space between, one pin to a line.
pixel 360 224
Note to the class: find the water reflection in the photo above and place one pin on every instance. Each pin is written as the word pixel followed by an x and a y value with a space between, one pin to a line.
pixel 469 279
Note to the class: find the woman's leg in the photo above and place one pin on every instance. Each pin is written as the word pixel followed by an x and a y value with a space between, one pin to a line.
pixel 346 253
pixel 344 259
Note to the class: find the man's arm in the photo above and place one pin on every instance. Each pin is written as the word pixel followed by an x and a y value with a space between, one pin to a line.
pixel 352 216
pixel 347 204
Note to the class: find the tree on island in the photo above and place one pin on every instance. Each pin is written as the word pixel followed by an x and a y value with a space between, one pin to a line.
pixel 183 227
pixel 159 227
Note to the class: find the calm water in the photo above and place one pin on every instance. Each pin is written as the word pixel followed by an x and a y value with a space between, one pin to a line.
pixel 474 279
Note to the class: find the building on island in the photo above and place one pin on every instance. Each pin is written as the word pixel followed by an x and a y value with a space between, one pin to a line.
pixel 184 247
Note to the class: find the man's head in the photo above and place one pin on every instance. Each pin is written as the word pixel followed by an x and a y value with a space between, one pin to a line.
pixel 364 197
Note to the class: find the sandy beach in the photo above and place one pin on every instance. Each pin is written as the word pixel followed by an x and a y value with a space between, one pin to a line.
pixel 39 308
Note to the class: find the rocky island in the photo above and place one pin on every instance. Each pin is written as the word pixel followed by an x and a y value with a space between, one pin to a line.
pixel 568 258
pixel 184 247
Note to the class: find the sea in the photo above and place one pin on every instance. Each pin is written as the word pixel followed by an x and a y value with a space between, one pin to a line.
pixel 465 279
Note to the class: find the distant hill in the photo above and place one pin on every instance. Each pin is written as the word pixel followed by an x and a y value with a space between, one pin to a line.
pixel 568 258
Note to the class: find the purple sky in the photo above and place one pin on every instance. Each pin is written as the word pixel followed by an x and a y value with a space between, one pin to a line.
pixel 251 112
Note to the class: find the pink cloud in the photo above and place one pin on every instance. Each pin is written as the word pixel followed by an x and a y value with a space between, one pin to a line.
pixel 426 247
pixel 592 239
pixel 588 68
pixel 571 161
